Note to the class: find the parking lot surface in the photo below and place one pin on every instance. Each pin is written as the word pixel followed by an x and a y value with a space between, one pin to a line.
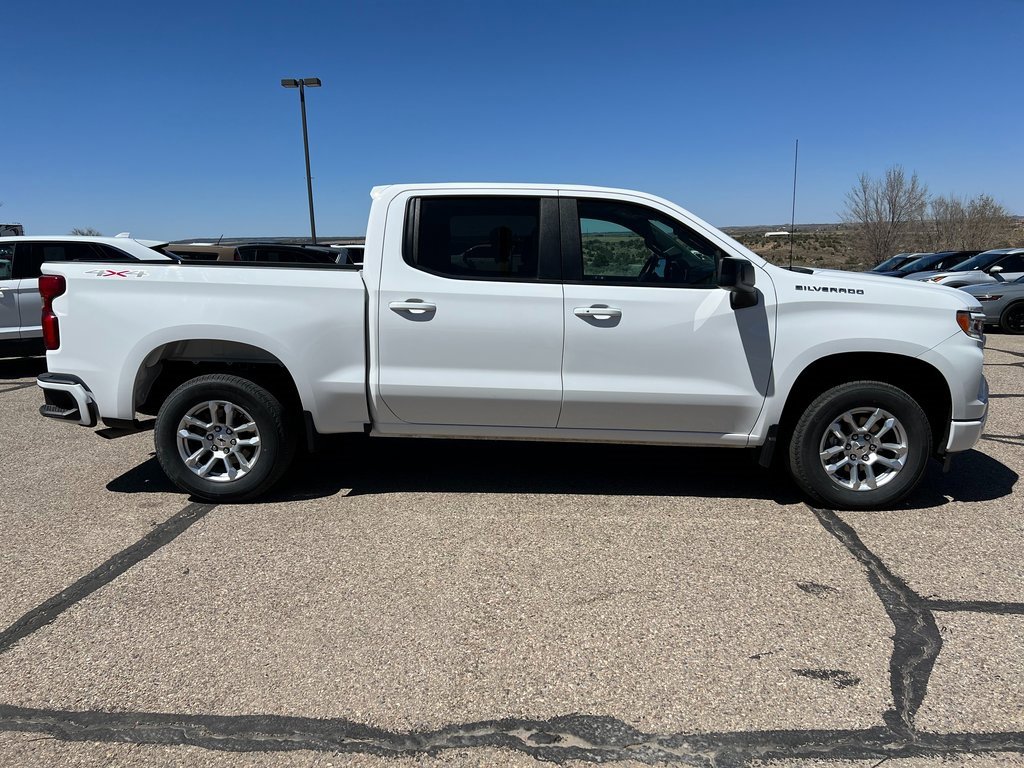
pixel 416 602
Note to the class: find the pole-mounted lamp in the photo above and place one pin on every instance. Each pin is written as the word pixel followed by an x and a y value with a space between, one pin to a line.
pixel 302 85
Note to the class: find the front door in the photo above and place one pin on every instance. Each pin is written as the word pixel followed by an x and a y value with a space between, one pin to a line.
pixel 651 342
pixel 470 312
pixel 1011 267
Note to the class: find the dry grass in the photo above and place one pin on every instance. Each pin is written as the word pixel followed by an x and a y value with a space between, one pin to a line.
pixel 833 246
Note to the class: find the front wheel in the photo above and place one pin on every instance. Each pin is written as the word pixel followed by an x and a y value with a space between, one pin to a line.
pixel 1012 319
pixel 860 445
pixel 223 438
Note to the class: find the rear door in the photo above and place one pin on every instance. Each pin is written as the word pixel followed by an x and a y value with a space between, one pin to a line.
pixel 470 311
pixel 10 320
pixel 651 341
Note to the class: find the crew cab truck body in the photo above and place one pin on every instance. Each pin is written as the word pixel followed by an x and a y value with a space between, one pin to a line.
pixel 522 311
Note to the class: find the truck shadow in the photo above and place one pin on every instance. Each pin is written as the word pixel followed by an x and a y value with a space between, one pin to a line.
pixel 371 466
pixel 358 466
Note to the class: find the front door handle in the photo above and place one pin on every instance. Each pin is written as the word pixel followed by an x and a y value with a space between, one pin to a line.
pixel 598 313
pixel 413 307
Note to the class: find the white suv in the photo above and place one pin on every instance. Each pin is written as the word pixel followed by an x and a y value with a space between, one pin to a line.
pixel 20 262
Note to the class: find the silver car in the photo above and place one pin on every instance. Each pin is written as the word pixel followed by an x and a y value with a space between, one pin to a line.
pixel 1003 303
pixel 995 266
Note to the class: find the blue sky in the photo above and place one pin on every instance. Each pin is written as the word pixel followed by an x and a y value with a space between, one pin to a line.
pixel 168 120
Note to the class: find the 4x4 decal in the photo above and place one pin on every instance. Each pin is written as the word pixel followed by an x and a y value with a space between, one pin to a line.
pixel 117 272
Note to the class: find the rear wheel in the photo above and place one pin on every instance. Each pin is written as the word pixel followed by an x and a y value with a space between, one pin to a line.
pixel 223 438
pixel 860 445
pixel 1012 319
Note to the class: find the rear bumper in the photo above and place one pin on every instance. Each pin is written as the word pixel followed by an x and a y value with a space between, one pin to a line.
pixel 67 399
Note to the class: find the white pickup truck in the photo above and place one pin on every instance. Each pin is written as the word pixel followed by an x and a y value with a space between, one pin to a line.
pixel 537 312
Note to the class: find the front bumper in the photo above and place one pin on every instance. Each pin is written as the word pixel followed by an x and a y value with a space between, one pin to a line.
pixel 963 434
pixel 67 399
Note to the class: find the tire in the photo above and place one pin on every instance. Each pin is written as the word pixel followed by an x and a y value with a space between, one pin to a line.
pixel 1012 319
pixel 237 467
pixel 896 453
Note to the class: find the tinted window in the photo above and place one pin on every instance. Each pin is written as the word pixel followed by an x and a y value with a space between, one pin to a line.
pixel 1014 263
pixel 948 262
pixel 112 254
pixel 622 242
pixel 893 262
pixel 492 237
pixel 6 261
pixel 980 261
pixel 40 253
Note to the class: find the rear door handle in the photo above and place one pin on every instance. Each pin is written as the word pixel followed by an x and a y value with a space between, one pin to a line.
pixel 598 313
pixel 413 307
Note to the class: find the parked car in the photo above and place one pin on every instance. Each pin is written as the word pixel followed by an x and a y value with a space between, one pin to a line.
pixel 1003 304
pixel 532 312
pixel 931 262
pixel 20 261
pixel 277 253
pixel 995 266
pixel 897 261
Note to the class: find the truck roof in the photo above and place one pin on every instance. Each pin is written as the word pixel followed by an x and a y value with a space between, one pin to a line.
pixel 379 191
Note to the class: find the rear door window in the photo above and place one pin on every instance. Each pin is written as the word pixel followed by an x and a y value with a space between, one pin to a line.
pixel 496 238
pixel 6 261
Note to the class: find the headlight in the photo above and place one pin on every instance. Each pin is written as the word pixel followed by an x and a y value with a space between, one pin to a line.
pixel 971 323
pixel 988 297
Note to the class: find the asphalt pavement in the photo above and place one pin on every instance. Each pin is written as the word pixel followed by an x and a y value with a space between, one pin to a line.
pixel 448 603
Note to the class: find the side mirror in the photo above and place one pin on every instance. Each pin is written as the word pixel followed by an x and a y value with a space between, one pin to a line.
pixel 995 272
pixel 737 276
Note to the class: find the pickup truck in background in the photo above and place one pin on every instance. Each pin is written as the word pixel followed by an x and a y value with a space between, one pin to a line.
pixel 537 312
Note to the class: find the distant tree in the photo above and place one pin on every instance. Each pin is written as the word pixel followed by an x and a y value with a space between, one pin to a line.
pixel 884 211
pixel 959 224
pixel 87 231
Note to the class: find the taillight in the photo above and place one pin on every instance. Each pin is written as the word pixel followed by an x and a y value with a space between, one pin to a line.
pixel 50 287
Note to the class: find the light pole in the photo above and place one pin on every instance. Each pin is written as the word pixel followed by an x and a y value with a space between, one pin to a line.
pixel 302 84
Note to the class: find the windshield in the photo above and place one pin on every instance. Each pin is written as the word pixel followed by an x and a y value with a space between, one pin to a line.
pixel 980 261
pixel 920 265
pixel 892 262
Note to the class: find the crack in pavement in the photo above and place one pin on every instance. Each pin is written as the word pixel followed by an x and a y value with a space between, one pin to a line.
pixel 591 738
pixel 976 606
pixel 48 611
pixel 1005 439
pixel 916 642
pixel 1006 351
pixel 559 739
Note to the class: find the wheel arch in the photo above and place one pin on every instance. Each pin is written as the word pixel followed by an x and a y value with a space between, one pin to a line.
pixel 172 363
pixel 920 380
